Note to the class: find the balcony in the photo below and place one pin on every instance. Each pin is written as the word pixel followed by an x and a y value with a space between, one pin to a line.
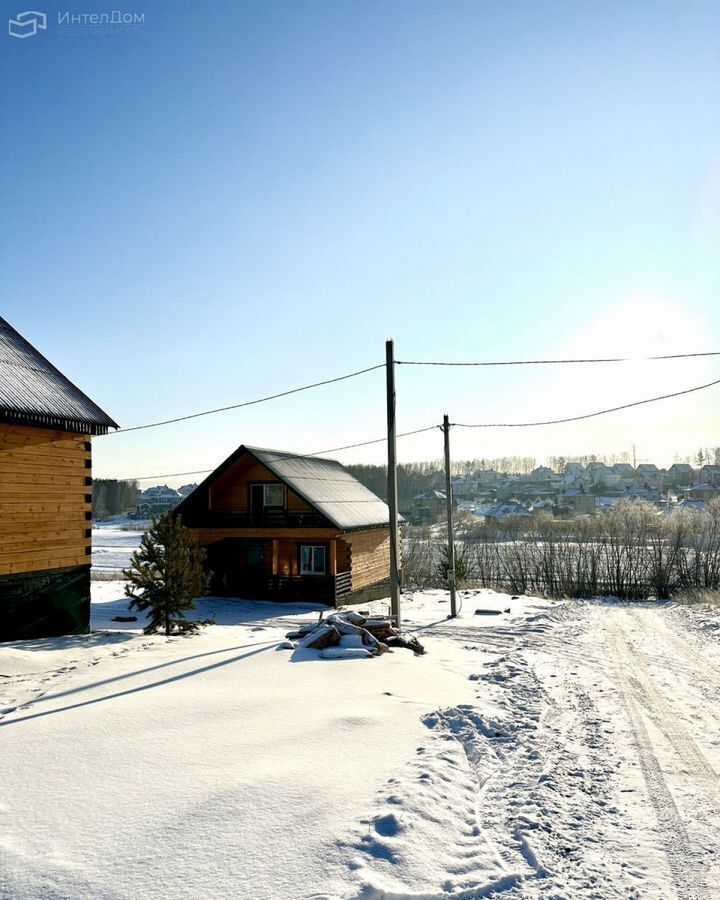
pixel 309 588
pixel 263 518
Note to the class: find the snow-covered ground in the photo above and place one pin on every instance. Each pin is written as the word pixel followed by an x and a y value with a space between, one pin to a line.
pixel 113 543
pixel 555 750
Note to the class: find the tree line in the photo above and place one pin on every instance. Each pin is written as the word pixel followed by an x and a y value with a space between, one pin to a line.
pixel 112 497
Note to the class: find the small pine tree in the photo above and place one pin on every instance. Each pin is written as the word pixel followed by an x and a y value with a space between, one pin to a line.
pixel 167 573
pixel 461 565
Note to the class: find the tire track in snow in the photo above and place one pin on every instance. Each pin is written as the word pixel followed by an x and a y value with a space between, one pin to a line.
pixel 695 663
pixel 685 867
pixel 662 711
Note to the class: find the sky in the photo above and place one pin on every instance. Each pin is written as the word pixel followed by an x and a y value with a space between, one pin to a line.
pixel 237 198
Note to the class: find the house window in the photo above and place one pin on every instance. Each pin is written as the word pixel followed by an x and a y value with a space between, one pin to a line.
pixel 273 495
pixel 266 496
pixel 312 560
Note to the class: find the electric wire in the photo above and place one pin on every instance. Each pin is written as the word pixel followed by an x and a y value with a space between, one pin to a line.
pixel 601 412
pixel 285 456
pixel 562 421
pixel 403 362
pixel 210 412
pixel 557 362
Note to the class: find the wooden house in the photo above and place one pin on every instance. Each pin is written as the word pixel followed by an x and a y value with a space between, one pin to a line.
pixel 281 526
pixel 45 494
pixel 428 507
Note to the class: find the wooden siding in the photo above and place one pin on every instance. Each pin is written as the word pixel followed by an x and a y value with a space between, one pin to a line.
pixel 45 499
pixel 230 492
pixel 365 553
pixel 369 556
pixel 207 536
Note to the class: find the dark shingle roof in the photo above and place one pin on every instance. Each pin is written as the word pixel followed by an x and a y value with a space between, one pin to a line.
pixel 34 392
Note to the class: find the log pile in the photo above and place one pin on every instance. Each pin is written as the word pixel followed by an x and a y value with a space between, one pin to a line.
pixel 350 635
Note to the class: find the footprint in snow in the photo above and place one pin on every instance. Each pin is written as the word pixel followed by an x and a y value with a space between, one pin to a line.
pixel 389 825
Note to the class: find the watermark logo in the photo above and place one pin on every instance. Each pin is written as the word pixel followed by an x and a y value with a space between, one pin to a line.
pixel 27 24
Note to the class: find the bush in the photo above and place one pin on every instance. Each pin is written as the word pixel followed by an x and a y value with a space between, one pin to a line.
pixel 630 550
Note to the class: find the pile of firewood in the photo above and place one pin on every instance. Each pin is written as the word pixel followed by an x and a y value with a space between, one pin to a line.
pixel 349 634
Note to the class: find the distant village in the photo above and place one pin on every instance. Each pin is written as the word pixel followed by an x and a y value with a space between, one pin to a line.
pixel 577 490
pixel 489 494
pixel 159 499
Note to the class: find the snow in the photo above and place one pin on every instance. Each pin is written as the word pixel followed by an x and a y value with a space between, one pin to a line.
pixel 549 750
pixel 113 543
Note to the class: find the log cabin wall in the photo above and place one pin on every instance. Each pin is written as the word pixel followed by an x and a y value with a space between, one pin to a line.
pixel 369 555
pixel 230 492
pixel 45 499
pixel 45 531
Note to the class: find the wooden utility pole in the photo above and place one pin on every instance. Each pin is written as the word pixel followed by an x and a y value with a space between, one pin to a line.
pixel 450 532
pixel 392 483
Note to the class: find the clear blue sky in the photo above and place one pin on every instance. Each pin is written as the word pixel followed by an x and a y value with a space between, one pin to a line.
pixel 253 195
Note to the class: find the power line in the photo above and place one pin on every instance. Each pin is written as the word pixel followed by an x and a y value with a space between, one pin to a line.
pixel 555 362
pixel 307 387
pixel 601 412
pixel 285 456
pixel 209 412
pixel 381 440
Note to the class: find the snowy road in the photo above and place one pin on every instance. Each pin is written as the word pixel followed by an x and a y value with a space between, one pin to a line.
pixel 587 767
pixel 554 750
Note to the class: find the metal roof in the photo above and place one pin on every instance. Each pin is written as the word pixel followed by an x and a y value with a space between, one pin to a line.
pixel 323 483
pixel 34 392
pixel 328 486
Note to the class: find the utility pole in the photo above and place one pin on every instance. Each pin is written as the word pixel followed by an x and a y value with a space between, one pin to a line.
pixel 451 535
pixel 392 482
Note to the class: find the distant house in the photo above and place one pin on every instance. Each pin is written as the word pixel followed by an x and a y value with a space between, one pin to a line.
pixel 539 505
pixel 695 505
pixel 680 474
pixel 503 510
pixel 600 474
pixel 46 423
pixel 580 481
pixel 428 507
pixel 709 474
pixel 607 499
pixel 701 491
pixel 643 492
pixel 487 476
pixel 577 500
pixel 542 473
pixel 648 475
pixel 186 489
pixel 465 487
pixel 281 526
pixel 156 500
pixel 624 470
pixel 574 468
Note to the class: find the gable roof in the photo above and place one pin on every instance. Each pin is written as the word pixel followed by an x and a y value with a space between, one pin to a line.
pixel 431 495
pixel 324 483
pixel 34 392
